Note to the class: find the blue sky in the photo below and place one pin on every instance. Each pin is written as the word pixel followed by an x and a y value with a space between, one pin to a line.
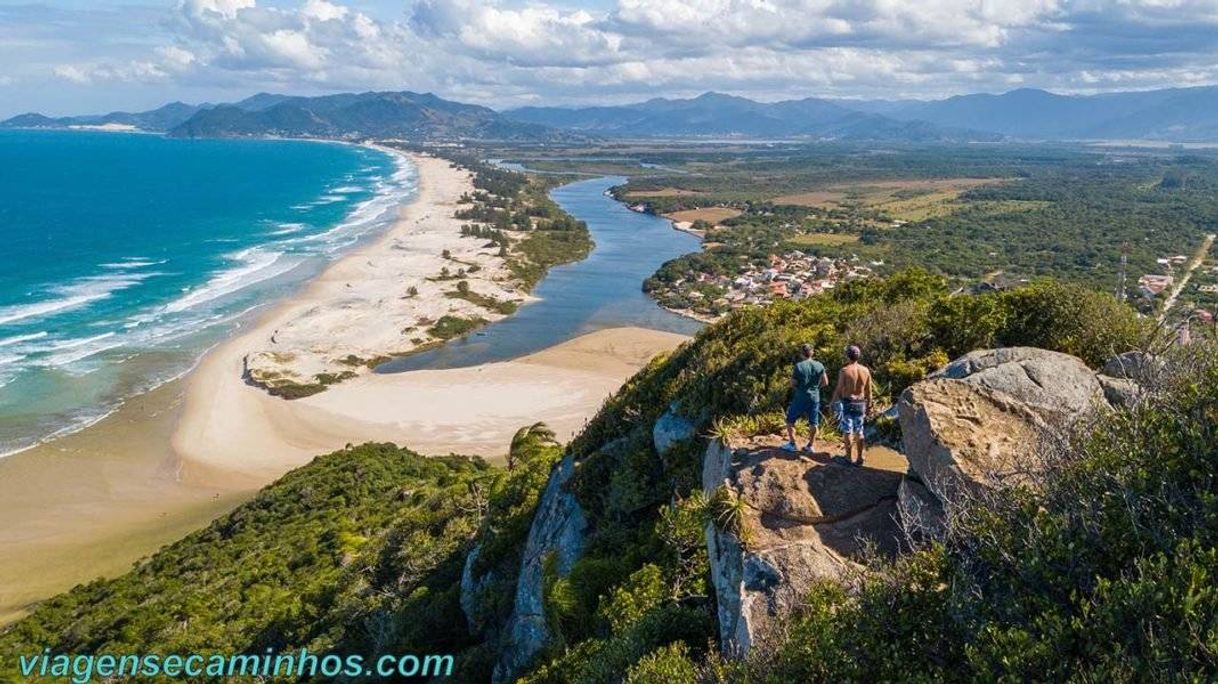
pixel 78 56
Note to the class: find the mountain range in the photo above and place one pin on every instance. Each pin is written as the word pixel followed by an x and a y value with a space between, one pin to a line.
pixel 715 114
pixel 348 115
pixel 1174 114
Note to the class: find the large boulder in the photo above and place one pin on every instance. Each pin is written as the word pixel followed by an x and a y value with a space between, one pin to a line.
pixel 1139 367
pixel 473 588
pixel 921 514
pixel 558 529
pixel 670 428
pixel 962 434
pixel 1121 392
pixel 804 520
pixel 1057 386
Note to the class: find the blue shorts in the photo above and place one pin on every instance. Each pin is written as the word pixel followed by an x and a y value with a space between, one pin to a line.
pixel 852 417
pixel 804 408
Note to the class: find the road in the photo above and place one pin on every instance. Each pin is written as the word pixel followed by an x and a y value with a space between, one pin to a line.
pixel 1197 260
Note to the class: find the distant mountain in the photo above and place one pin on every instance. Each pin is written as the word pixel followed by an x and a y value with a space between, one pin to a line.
pixel 159 119
pixel 1179 114
pixel 1175 114
pixel 382 115
pixel 715 114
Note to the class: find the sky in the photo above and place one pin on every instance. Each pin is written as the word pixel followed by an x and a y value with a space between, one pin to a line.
pixel 91 56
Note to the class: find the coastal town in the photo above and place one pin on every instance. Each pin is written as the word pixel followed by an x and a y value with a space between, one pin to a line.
pixel 794 274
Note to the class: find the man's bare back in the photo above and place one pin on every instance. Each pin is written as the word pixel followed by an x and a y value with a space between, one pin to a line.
pixel 854 383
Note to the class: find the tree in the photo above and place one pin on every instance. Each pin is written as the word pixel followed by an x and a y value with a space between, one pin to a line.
pixel 528 440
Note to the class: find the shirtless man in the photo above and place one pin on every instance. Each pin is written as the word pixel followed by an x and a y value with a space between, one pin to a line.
pixel 854 391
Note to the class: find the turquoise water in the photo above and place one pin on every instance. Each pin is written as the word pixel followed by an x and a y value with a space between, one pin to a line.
pixel 124 255
pixel 602 291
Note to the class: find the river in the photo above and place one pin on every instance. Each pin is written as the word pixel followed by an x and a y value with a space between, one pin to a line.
pixel 601 291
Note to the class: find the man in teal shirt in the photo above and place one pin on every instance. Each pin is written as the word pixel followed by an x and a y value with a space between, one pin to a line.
pixel 806 380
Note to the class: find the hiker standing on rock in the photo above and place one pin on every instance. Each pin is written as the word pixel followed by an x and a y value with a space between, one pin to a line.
pixel 853 390
pixel 806 380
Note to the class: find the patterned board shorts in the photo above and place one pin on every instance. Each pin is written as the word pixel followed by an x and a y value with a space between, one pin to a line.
pixel 852 417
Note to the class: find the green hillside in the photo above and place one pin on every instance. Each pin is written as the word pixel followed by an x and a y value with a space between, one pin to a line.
pixel 1105 575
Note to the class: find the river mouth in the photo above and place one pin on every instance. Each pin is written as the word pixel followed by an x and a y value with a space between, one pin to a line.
pixel 605 290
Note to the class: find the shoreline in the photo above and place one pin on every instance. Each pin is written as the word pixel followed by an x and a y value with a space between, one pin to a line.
pixel 389 297
pixel 235 324
pixel 168 461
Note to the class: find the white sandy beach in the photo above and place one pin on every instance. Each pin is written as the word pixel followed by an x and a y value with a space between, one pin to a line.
pixel 167 462
pixel 381 299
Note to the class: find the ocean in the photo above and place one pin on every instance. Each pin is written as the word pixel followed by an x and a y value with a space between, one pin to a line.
pixel 125 256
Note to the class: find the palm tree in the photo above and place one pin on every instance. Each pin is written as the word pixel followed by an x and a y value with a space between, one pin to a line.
pixel 527 440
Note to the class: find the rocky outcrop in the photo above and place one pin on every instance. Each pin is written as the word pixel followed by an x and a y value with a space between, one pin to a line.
pixel 804 520
pixel 671 428
pixel 921 514
pixel 959 434
pixel 1139 367
pixel 1120 392
pixel 1057 386
pixel 558 530
pixel 472 588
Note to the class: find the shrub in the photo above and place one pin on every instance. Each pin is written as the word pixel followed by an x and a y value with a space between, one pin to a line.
pixel 666 665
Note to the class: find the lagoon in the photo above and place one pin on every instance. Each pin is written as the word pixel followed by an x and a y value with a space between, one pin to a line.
pixel 602 291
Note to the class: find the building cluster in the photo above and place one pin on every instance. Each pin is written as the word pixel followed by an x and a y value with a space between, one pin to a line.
pixel 1152 285
pixel 793 275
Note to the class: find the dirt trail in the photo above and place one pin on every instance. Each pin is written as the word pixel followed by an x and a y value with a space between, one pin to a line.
pixel 1197 260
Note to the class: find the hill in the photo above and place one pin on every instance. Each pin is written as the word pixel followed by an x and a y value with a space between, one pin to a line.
pixel 1175 114
pixel 160 119
pixel 408 115
pixel 383 115
pixel 598 570
pixel 715 114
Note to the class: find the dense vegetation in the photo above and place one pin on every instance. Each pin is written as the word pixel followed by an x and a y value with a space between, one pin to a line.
pixel 514 212
pixel 359 552
pixel 1019 212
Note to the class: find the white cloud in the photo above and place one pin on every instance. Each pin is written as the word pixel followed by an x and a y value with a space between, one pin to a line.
pixel 323 11
pixel 500 53
pixel 73 73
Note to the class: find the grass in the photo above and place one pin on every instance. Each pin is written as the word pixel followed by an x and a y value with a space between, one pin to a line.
pixel 823 239
pixel 449 327
pixel 709 214
pixel 913 197
pixel 485 301
pixel 299 390
pixel 922 207
pixel 662 192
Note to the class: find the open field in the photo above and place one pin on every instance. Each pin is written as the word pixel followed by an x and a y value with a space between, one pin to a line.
pixel 709 214
pixel 906 200
pixel 662 192
pixel 823 239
